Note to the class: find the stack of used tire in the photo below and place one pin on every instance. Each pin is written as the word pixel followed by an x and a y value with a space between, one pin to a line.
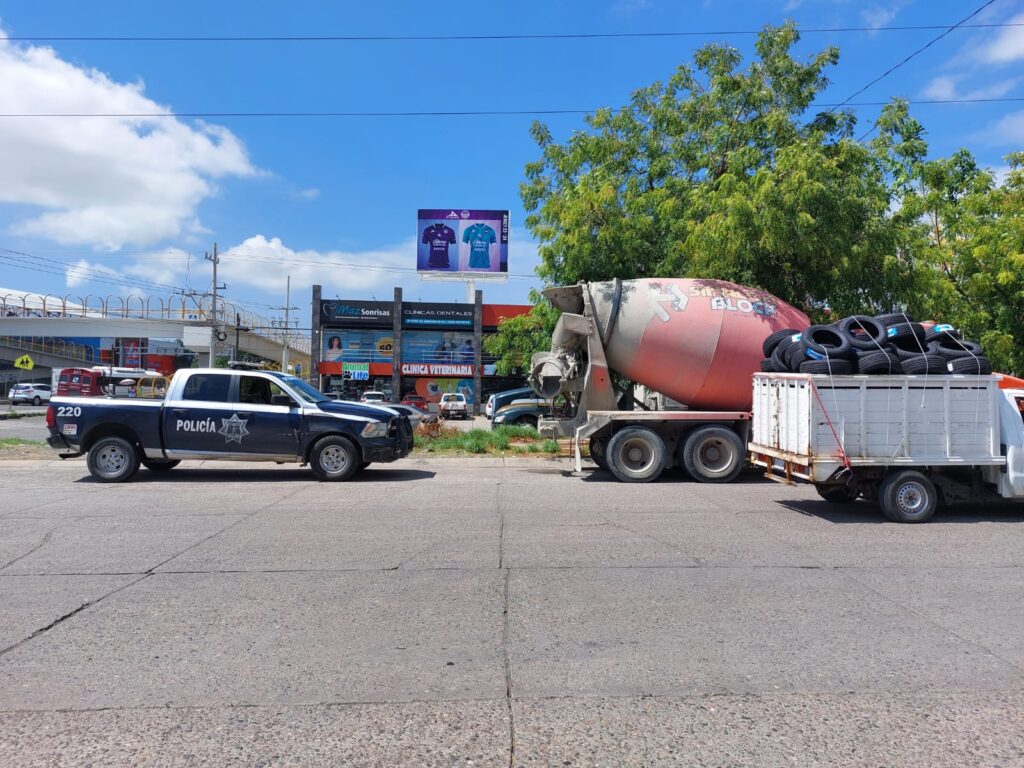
pixel 883 345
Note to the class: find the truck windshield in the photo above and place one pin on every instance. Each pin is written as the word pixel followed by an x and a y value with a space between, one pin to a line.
pixel 304 390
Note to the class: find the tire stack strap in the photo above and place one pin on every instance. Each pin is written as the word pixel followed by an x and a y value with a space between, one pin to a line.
pixel 841 455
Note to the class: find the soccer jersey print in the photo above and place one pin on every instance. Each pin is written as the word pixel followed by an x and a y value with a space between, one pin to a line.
pixel 480 237
pixel 438 237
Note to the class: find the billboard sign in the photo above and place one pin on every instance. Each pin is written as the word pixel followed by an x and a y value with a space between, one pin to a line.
pixel 427 313
pixel 338 312
pixel 459 240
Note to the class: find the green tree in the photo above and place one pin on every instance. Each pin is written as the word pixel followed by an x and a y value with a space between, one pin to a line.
pixel 521 336
pixel 971 233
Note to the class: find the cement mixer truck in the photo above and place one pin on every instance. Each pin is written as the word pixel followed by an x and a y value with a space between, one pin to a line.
pixel 692 344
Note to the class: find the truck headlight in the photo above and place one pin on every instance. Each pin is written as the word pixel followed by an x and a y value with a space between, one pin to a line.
pixel 376 429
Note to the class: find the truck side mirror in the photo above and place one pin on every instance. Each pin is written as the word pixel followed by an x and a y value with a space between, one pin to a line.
pixel 282 400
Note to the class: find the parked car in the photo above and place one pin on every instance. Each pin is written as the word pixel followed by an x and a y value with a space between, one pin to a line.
pixel 454 406
pixel 525 412
pixel 500 399
pixel 416 401
pixel 415 414
pixel 489 407
pixel 30 393
pixel 371 396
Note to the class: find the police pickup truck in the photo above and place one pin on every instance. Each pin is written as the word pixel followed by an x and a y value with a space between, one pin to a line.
pixel 236 415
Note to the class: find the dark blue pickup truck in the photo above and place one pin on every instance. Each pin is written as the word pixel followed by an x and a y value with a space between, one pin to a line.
pixel 213 413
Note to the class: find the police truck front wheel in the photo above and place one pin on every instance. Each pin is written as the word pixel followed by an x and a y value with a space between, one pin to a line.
pixel 113 460
pixel 335 458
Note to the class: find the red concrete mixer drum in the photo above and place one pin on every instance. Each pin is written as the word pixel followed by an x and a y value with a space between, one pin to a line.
pixel 697 341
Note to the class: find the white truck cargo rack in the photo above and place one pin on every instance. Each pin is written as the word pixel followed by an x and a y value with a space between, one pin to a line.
pixel 811 427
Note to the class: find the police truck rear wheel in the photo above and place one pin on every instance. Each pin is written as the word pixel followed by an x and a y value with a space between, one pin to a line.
pixel 113 460
pixel 335 459
pixel 636 455
pixel 713 455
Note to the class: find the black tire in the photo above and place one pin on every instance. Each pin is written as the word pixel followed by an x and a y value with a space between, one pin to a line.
pixel 941 331
pixel 871 336
pixel 37 400
pixel 976 366
pixel 599 451
pixel 838 494
pixel 908 336
pixel 821 341
pixel 767 366
pixel 880 363
pixel 113 460
pixel 827 367
pixel 335 458
pixel 636 455
pixel 952 349
pixel 774 339
pixel 932 365
pixel 794 356
pixel 893 318
pixel 908 497
pixel 713 455
pixel 779 359
pixel 160 465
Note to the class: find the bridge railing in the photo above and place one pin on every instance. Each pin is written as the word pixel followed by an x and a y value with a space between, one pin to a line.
pixel 186 308
pixel 50 345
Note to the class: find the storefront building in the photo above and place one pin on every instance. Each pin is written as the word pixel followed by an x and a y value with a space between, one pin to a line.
pixel 402 348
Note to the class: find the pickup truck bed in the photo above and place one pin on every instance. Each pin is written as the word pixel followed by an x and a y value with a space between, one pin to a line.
pixel 228 415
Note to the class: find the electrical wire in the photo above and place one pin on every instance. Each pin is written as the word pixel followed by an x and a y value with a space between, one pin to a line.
pixel 453 38
pixel 456 113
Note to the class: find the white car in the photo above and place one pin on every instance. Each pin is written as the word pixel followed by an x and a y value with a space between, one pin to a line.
pixel 372 397
pixel 37 394
pixel 454 406
pixel 489 408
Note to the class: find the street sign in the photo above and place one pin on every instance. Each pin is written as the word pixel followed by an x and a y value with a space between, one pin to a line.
pixel 25 363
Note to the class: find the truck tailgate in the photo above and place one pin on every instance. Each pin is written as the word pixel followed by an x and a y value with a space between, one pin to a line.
pixel 815 424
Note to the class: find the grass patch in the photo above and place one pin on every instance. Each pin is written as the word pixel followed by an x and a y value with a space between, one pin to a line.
pixel 496 442
pixel 18 442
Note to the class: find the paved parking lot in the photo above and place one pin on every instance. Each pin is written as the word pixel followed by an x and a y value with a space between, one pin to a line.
pixel 488 612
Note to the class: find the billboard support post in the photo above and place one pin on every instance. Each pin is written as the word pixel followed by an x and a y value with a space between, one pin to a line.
pixel 478 337
pixel 314 347
pixel 396 347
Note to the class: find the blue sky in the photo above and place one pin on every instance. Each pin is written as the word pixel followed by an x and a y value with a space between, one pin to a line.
pixel 329 199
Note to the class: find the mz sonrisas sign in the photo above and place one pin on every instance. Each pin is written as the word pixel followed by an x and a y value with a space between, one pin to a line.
pixel 339 312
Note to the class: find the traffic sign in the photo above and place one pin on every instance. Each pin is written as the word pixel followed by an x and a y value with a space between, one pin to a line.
pixel 25 363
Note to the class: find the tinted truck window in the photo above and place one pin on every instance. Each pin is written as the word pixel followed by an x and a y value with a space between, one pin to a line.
pixel 211 387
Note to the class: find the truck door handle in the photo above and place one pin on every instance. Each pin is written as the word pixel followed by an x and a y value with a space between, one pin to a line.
pixel 247 414
pixel 179 411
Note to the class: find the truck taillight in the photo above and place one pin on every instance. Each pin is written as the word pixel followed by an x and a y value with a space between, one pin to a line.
pixel 51 417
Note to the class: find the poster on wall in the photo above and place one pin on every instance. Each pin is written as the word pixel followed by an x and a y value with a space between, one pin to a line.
pixel 438 347
pixel 461 240
pixel 431 389
pixel 357 346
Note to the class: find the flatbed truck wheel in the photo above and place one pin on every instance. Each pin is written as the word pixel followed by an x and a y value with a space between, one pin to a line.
pixel 908 496
pixel 713 455
pixel 837 494
pixel 636 455
pixel 160 465
pixel 113 460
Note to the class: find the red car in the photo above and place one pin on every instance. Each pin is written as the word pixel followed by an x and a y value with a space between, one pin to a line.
pixel 415 401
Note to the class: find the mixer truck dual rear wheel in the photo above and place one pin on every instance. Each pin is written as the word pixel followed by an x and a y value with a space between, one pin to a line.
pixel 599 451
pixel 713 455
pixel 636 455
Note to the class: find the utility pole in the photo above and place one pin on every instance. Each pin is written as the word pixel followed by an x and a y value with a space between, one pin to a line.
pixel 215 335
pixel 287 328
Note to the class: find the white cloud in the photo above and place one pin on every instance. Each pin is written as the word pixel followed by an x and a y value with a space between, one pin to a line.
pixel 1007 45
pixel 878 16
pixel 1009 129
pixel 307 194
pixel 946 87
pixel 102 181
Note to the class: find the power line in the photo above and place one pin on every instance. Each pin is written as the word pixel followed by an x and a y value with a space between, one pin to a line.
pixel 832 106
pixel 923 48
pixel 453 38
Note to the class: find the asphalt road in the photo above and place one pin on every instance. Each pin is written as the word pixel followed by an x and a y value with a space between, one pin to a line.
pixel 481 612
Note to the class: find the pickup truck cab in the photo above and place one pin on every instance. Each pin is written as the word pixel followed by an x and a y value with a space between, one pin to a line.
pixel 454 406
pixel 237 415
